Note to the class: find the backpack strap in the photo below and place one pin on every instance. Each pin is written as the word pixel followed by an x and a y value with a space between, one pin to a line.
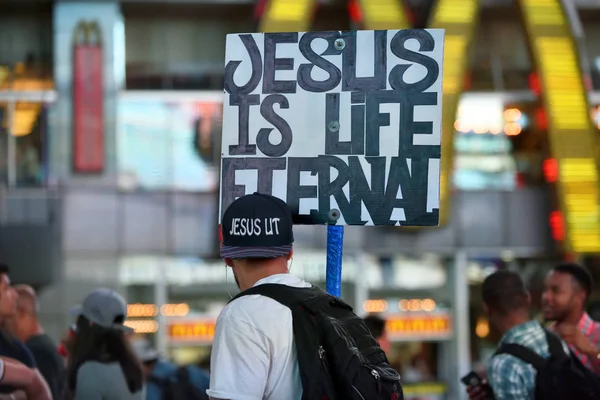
pixel 555 346
pixel 522 353
pixel 313 298
pixel 286 295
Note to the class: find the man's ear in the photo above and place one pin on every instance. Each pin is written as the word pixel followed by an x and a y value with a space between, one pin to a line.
pixel 228 262
pixel 528 299
pixel 290 255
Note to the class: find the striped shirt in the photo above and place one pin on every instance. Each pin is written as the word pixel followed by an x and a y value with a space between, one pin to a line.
pixel 591 330
pixel 511 378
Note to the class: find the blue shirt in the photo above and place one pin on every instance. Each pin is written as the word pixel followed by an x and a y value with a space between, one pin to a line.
pixel 511 378
pixel 13 348
pixel 164 370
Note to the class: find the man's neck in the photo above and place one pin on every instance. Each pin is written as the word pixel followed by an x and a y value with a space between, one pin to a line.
pixel 36 329
pixel 573 318
pixel 254 278
pixel 510 321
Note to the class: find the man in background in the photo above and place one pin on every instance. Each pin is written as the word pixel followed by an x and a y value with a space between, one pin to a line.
pixel 26 327
pixel 168 381
pixel 506 302
pixel 10 347
pixel 566 292
pixel 376 325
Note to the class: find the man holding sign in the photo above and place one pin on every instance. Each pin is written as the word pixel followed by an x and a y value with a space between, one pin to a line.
pixel 325 127
pixel 282 338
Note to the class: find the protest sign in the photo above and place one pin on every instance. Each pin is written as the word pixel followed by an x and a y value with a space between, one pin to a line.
pixel 347 121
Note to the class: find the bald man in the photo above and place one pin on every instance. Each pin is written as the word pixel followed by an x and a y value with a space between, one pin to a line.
pixel 26 327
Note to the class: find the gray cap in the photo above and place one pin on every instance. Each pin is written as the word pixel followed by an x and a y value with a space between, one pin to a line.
pixel 103 307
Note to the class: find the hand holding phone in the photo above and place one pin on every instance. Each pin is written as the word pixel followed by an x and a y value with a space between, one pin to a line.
pixel 477 387
pixel 471 379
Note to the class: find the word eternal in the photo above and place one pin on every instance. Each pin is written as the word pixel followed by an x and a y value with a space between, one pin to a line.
pixel 377 190
pixel 254 226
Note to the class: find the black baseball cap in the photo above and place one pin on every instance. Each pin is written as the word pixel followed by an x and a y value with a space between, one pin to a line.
pixel 257 226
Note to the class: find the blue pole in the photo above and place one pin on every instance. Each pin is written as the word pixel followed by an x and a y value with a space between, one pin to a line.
pixel 335 244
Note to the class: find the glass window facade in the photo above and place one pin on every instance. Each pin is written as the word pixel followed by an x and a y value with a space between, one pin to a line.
pixel 163 144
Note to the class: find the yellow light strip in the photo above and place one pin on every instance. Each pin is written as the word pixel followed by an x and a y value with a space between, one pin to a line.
pixel 383 15
pixel 455 12
pixel 459 19
pixel 287 16
pixel 571 134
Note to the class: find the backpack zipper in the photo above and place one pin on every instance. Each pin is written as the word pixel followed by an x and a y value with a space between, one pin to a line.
pixel 322 355
pixel 376 376
pixel 321 352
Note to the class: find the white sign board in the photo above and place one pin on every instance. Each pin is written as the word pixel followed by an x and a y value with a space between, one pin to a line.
pixel 347 121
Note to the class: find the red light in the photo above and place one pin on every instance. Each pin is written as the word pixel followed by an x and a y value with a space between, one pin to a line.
pixel 467 81
pixel 260 8
pixel 521 182
pixel 541 119
pixel 587 82
pixel 557 226
pixel 534 83
pixel 410 16
pixel 550 168
pixel 355 11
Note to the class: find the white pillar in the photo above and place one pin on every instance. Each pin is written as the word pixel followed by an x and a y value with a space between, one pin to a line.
pixel 161 298
pixel 361 286
pixel 460 309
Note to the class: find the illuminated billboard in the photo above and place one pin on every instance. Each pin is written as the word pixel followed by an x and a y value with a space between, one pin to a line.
pixel 571 135
pixel 201 331
pixel 431 326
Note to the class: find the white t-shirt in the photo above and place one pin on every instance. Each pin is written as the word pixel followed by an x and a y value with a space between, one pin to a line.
pixel 254 354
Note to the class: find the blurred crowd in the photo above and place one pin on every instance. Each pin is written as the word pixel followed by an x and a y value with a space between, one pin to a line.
pixel 271 344
pixel 96 359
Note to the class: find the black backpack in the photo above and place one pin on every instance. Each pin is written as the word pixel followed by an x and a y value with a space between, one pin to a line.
pixel 178 386
pixel 338 357
pixel 562 376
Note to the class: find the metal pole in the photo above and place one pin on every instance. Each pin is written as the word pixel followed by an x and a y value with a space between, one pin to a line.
pixel 460 309
pixel 335 244
pixel 11 146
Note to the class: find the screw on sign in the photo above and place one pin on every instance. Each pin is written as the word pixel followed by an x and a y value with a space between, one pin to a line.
pixel 88 99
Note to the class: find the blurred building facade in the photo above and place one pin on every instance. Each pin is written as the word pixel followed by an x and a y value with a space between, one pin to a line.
pixel 132 203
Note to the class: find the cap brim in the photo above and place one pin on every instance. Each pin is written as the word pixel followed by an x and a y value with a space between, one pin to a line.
pixel 235 252
pixel 123 328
